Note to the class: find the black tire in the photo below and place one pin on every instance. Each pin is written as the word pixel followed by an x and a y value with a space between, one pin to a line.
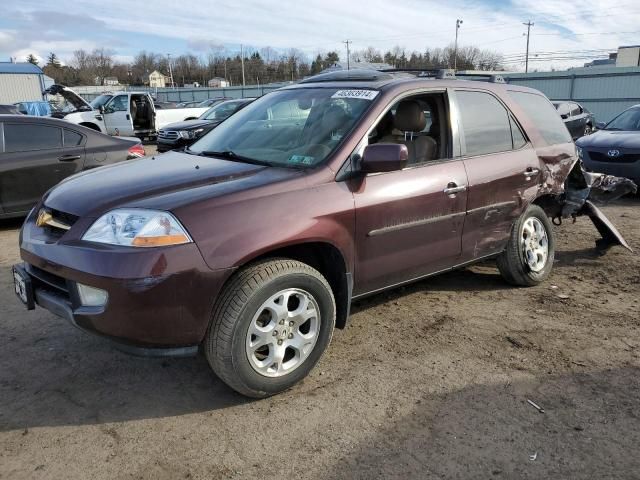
pixel 245 293
pixel 512 262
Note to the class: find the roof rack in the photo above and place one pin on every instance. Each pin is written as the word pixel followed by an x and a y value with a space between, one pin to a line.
pixel 447 74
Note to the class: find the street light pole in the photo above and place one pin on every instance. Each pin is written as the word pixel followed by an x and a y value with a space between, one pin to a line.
pixel 455 51
pixel 347 43
pixel 526 65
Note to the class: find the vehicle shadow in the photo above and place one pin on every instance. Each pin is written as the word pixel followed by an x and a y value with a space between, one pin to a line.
pixel 590 429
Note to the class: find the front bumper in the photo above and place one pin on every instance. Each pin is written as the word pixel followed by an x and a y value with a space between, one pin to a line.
pixel 159 299
pixel 165 145
pixel 628 170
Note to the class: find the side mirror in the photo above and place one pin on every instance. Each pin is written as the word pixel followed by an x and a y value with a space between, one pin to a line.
pixel 384 157
pixel 101 109
pixel 601 126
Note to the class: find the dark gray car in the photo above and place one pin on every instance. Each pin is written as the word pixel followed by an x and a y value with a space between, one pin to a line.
pixel 579 120
pixel 36 153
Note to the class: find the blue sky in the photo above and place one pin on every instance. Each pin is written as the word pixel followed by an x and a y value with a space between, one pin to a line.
pixel 316 26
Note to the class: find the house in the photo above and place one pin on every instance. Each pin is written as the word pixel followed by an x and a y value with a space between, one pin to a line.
pixel 110 81
pixel 20 82
pixel 156 79
pixel 217 82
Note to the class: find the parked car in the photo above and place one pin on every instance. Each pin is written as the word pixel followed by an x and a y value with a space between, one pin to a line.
pixel 254 242
pixel 210 102
pixel 182 134
pixel 187 104
pixel 165 105
pixel 36 153
pixel 615 147
pixel 125 114
pixel 579 120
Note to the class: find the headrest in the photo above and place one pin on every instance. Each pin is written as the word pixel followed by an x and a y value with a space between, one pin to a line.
pixel 334 118
pixel 410 117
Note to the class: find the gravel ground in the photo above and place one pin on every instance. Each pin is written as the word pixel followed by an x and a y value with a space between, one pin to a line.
pixel 428 381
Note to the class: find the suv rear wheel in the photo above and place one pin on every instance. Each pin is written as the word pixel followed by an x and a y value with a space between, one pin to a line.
pixel 528 258
pixel 270 327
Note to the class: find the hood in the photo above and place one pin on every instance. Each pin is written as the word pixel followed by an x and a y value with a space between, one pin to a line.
pixel 611 139
pixel 70 96
pixel 191 124
pixel 164 182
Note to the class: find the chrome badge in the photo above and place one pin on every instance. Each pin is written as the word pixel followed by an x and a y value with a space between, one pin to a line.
pixel 613 153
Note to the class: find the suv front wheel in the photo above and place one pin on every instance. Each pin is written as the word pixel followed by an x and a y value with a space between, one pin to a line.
pixel 528 258
pixel 270 327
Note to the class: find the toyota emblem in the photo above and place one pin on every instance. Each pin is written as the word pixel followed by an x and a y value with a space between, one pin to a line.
pixel 613 153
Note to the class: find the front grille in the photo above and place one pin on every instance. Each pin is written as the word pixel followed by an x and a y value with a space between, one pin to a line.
pixel 168 134
pixel 624 158
pixel 48 281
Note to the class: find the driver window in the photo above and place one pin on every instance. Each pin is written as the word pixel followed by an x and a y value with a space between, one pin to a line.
pixel 417 123
pixel 118 104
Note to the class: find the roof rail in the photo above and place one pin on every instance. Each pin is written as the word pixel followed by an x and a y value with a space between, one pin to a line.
pixel 439 73
pixel 447 74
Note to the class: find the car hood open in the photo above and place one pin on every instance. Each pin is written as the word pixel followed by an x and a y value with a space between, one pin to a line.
pixel 70 96
pixel 164 182
pixel 611 139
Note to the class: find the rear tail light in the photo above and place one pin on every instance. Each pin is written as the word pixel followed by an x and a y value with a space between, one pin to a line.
pixel 136 151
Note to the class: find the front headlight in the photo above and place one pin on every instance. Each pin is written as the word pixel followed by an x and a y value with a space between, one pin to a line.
pixel 190 134
pixel 137 228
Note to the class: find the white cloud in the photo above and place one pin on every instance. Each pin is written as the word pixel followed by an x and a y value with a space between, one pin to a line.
pixel 321 25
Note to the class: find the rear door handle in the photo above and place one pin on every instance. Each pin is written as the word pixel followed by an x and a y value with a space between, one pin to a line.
pixel 531 172
pixel 453 188
pixel 68 158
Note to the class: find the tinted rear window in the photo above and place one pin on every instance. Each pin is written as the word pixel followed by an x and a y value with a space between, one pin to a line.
pixel 546 118
pixel 485 123
pixel 21 137
pixel 71 138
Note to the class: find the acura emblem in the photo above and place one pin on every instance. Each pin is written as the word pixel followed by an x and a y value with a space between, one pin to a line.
pixel 613 153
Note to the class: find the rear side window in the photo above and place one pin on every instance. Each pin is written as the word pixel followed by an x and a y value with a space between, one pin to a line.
pixel 20 137
pixel 485 123
pixel 545 117
pixel 71 138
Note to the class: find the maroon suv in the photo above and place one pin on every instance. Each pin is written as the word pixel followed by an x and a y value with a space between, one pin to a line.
pixel 254 242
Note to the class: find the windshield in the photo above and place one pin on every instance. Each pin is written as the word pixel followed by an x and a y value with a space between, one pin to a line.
pixel 297 128
pixel 97 102
pixel 629 120
pixel 220 111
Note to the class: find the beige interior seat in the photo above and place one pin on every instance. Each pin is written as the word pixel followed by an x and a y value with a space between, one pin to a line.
pixel 409 121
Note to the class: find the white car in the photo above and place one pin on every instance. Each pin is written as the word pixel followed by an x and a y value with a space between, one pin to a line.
pixel 125 114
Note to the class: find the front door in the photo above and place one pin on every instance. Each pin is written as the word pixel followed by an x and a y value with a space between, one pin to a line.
pixel 117 116
pixel 407 226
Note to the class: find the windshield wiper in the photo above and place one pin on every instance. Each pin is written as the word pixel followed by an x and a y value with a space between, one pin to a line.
pixel 230 155
pixel 613 129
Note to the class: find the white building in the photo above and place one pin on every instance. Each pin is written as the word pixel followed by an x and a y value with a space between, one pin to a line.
pixel 156 79
pixel 217 82
pixel 20 82
pixel 628 56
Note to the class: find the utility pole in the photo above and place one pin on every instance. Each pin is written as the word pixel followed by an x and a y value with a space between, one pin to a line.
pixel 347 43
pixel 455 50
pixel 173 85
pixel 526 65
pixel 242 62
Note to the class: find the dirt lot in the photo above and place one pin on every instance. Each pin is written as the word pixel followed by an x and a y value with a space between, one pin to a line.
pixel 428 381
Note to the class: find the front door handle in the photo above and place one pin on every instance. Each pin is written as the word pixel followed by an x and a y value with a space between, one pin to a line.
pixel 68 158
pixel 531 172
pixel 128 117
pixel 453 188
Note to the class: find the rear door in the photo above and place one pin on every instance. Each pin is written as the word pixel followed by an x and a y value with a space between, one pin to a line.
pixel 32 161
pixel 502 169
pixel 117 116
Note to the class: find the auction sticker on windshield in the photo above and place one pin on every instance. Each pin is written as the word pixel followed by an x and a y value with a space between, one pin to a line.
pixel 363 94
